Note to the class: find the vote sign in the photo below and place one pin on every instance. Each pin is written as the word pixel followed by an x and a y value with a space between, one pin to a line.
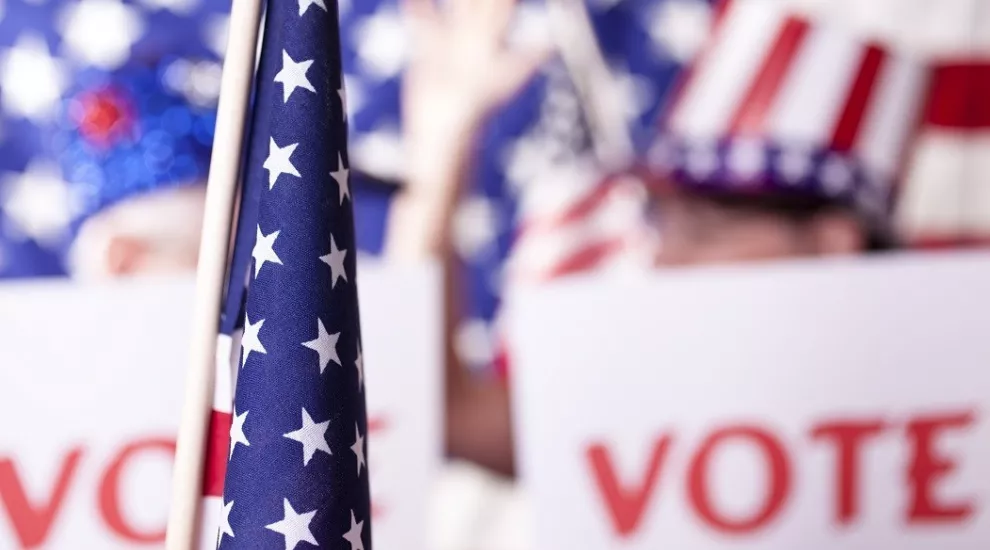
pixel 814 406
pixel 91 381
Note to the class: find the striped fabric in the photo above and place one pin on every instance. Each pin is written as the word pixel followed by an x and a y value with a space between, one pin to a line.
pixel 779 80
pixel 945 197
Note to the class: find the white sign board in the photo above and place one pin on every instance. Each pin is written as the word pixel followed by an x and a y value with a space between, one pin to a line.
pixel 813 406
pixel 91 381
pixel 401 323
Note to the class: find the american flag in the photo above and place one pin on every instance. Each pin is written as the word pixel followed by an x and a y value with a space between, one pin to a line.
pixel 286 465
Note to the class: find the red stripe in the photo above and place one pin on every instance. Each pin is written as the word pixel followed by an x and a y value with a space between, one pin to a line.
pixel 376 424
pixel 852 116
pixel 501 361
pixel 960 97
pixel 669 105
pixel 217 445
pixel 719 10
pixel 585 258
pixel 577 211
pixel 755 105
pixel 949 242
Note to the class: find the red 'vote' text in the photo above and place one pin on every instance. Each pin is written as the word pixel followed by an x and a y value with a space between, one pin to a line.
pixel 627 498
pixel 33 517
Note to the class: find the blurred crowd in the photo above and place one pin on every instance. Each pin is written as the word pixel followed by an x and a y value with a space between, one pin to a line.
pixel 518 141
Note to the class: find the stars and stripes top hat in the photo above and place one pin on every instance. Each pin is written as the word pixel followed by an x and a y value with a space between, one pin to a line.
pixel 129 132
pixel 779 104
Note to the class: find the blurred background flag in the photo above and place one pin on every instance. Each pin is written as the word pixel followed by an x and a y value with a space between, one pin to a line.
pixel 65 83
pixel 286 463
pixel 531 200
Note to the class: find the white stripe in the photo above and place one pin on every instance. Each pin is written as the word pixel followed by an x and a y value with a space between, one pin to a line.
pixel 550 191
pixel 981 33
pixel 712 96
pixel 226 369
pixel 886 21
pixel 947 191
pixel 977 193
pixel 931 202
pixel 944 28
pixel 892 115
pixel 209 525
pixel 815 91
pixel 941 28
pixel 537 254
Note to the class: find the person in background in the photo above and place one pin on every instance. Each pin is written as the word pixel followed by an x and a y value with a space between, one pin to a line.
pixel 98 128
pixel 780 148
pixel 774 148
pixel 135 155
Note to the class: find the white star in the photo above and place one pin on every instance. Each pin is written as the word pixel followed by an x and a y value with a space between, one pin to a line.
pixel 340 175
pixel 701 161
pixel 679 28
pixel 251 341
pixel 335 259
pixel 475 226
pixel 379 152
pixel 237 433
pixel 530 27
pixel 352 94
pixel 100 32
pixel 474 342
pixel 747 158
pixel 264 250
pixel 354 535
pixel 359 365
pixel 203 85
pixel 382 43
pixel 294 527
pixel 343 101
pixel 523 160
pixel 358 448
pixel 225 528
pixel 278 162
pixel 794 165
pixel 33 81
pixel 293 75
pixel 836 175
pixel 305 4
pixel 215 32
pixel 634 92
pixel 325 345
pixel 39 203
pixel 312 435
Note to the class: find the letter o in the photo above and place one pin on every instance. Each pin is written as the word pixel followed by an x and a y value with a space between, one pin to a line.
pixel 776 494
pixel 109 492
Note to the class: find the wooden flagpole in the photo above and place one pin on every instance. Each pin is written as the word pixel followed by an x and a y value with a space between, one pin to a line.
pixel 221 191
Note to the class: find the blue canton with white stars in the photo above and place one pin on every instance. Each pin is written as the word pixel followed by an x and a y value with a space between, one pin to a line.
pixel 297 475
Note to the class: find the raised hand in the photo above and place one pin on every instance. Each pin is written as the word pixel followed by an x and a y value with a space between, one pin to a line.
pixel 460 67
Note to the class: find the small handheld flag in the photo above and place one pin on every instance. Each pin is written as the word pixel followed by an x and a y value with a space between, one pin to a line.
pixel 285 459
pixel 297 470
